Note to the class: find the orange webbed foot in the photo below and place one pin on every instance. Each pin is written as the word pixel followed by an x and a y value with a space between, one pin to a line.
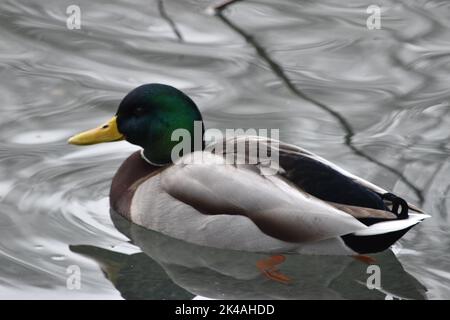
pixel 365 259
pixel 268 268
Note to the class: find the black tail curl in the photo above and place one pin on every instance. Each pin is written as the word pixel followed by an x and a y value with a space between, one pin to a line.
pixel 399 205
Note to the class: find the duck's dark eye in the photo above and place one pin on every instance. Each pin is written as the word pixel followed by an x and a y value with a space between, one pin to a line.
pixel 139 111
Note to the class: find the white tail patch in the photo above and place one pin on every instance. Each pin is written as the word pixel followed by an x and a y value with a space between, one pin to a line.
pixel 392 226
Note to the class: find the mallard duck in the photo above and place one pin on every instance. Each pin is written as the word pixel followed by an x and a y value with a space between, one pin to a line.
pixel 309 205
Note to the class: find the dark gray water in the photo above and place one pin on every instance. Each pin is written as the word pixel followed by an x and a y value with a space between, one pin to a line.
pixel 373 101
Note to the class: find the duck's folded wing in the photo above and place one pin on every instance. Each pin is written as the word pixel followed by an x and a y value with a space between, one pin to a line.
pixel 292 149
pixel 294 158
pixel 277 208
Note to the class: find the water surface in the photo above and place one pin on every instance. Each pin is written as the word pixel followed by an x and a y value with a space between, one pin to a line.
pixel 373 101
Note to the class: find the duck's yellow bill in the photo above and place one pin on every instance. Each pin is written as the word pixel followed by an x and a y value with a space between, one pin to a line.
pixel 106 133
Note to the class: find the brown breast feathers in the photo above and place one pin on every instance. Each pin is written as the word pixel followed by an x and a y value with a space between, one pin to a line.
pixel 130 175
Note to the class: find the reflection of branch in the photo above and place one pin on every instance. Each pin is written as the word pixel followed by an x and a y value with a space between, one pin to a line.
pixel 442 203
pixel 221 6
pixel 165 16
pixel 278 70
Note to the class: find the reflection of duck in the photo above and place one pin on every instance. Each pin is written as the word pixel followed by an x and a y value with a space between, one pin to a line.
pixel 309 205
pixel 136 276
pixel 228 274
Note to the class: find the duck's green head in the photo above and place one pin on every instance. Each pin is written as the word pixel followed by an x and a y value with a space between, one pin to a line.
pixel 147 117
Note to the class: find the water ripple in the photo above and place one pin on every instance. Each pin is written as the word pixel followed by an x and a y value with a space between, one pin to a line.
pixel 378 105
